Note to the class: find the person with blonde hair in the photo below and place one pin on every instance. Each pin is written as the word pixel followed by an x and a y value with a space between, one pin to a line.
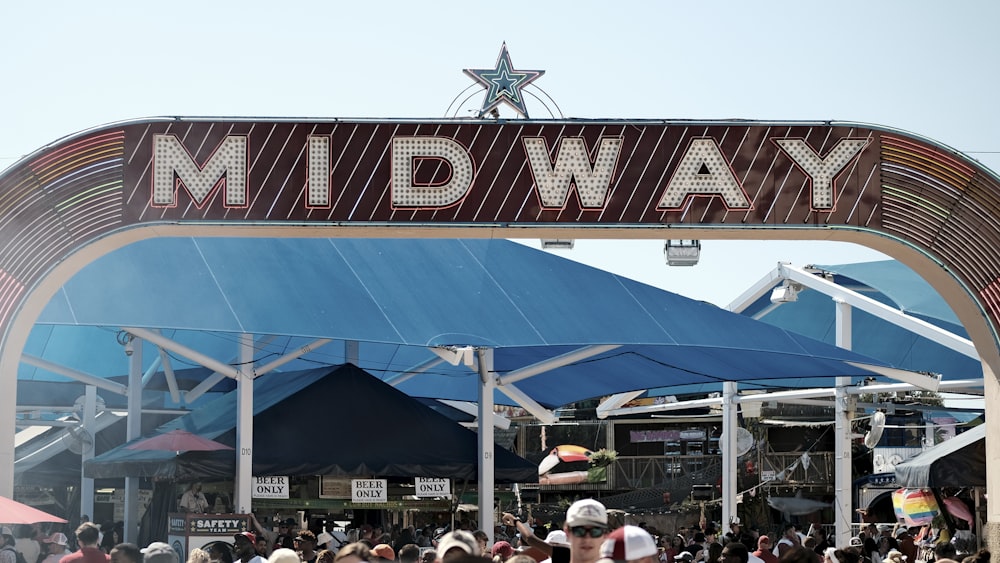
pixel 198 555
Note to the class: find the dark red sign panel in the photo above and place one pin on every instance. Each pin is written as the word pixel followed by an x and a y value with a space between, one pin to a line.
pixel 520 173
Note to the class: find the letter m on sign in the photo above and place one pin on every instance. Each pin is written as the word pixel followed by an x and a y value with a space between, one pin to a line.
pixel 174 167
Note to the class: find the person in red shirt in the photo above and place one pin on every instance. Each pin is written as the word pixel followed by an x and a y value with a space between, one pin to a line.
pixel 764 550
pixel 88 535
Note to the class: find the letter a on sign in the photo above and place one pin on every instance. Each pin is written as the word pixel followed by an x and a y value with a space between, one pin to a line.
pixel 704 171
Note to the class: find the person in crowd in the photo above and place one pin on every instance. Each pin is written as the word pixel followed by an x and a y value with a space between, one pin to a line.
pixel 125 553
pixel 586 527
pixel 818 533
pixel 283 555
pixel 629 544
pixel 262 547
pixel 482 539
pixel 8 554
pixel 712 553
pixel 159 552
pixel 325 556
pixel 763 551
pixel 501 551
pixel 305 545
pixel 245 550
pixel 198 555
pixel 455 545
pixel 193 500
pixel 789 539
pixel 27 544
pixel 406 535
pixel 735 532
pixel 55 547
pixel 409 553
pixel 797 554
pixel 286 535
pixel 382 553
pixel 906 544
pixel 356 552
pixel 88 536
pixel 697 547
pixel 219 552
pixel 429 556
pixel 735 552
pixel 945 551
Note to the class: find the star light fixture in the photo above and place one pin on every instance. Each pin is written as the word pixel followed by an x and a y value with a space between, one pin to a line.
pixel 503 83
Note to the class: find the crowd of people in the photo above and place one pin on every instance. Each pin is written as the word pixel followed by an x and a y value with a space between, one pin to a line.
pixel 585 536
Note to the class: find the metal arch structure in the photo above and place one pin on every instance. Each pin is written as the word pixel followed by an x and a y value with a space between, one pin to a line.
pixel 909 197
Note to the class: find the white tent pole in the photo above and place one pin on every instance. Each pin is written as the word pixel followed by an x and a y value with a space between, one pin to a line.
pixel 133 430
pixel 729 427
pixel 177 348
pixel 486 446
pixel 842 489
pixel 86 484
pixel 244 426
pixel 78 375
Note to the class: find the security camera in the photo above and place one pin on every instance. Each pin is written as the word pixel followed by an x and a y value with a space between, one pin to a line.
pixel 129 348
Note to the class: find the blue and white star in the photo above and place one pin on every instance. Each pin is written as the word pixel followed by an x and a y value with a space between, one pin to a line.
pixel 503 83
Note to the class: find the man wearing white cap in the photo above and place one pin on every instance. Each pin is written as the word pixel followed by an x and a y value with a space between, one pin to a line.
pixel 630 544
pixel 586 527
pixel 56 545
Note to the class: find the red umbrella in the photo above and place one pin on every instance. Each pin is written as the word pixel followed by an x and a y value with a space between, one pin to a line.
pixel 178 441
pixel 13 512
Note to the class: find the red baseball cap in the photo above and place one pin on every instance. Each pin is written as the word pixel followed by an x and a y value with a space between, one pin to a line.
pixel 247 535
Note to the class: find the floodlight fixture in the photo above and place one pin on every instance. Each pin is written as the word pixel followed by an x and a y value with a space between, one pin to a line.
pixel 682 252
pixel 557 244
pixel 787 292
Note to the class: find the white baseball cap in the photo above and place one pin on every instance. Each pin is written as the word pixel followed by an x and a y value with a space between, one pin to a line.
pixel 557 537
pixel 628 543
pixel 587 512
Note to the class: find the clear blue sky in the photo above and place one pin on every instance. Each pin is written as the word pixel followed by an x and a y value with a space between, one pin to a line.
pixel 921 66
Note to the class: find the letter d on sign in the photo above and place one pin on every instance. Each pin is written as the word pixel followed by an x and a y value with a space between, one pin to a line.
pixel 409 152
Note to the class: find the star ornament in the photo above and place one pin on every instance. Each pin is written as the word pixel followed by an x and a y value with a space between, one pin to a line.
pixel 504 84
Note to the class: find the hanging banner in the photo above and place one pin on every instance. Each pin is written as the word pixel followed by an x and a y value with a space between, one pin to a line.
pixel 270 487
pixel 433 488
pixel 369 490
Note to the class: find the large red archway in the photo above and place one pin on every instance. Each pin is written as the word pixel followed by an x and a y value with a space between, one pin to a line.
pixel 908 197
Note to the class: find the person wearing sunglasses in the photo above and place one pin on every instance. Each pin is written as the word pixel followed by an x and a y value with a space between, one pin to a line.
pixel 586 527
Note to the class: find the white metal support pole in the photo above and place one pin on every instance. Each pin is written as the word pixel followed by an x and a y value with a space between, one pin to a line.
pixel 244 427
pixel 89 424
pixel 843 491
pixel 991 391
pixel 133 430
pixel 729 426
pixel 486 446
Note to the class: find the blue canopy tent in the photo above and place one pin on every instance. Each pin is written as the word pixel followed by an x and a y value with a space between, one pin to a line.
pixel 400 298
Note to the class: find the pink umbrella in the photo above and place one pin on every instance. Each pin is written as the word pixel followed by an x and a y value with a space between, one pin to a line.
pixel 178 441
pixel 13 512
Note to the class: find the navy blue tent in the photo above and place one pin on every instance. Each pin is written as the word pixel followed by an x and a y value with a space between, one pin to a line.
pixel 324 421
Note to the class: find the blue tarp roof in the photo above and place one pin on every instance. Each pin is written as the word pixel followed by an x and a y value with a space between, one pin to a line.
pixel 398 296
pixel 891 283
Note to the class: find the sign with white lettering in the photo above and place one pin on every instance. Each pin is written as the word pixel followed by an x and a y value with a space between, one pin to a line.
pixel 437 488
pixel 270 487
pixel 369 490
